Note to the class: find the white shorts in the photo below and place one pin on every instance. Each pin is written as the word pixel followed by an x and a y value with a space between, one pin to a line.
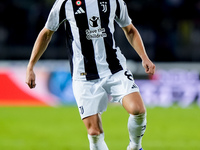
pixel 92 96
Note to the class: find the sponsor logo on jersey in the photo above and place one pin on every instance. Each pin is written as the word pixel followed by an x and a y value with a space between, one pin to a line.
pixel 80 11
pixel 96 31
pixel 94 21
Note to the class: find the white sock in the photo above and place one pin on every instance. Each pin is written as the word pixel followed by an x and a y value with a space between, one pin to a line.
pixel 136 128
pixel 97 142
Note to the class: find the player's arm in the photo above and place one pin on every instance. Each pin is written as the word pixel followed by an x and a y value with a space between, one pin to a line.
pixel 136 42
pixel 39 47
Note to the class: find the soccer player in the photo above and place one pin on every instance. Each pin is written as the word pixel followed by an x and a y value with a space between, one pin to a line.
pixel 97 65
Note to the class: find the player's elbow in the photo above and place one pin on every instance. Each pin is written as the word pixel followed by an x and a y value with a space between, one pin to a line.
pixel 129 30
pixel 46 35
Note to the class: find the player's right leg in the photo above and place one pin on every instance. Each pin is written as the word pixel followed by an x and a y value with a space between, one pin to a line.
pixel 95 132
pixel 92 100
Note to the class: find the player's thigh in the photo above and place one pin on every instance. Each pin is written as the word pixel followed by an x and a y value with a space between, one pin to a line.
pixel 121 84
pixel 91 97
pixel 133 103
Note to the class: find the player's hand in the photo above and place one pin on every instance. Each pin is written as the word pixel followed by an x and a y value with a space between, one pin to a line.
pixel 30 78
pixel 148 66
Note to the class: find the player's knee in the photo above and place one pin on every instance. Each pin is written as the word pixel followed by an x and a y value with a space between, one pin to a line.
pixel 93 125
pixel 94 131
pixel 135 109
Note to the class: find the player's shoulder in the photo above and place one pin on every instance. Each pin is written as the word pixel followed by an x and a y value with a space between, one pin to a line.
pixel 57 4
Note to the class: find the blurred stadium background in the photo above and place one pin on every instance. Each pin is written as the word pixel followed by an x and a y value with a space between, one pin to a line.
pixel 171 33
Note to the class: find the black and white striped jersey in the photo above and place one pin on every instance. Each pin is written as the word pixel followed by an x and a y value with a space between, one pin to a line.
pixel 89 28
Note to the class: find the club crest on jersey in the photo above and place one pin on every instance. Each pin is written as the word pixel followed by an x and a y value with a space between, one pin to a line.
pixel 78 3
pixel 104 6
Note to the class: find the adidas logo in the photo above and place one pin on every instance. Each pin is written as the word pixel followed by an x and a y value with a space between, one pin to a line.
pixel 80 11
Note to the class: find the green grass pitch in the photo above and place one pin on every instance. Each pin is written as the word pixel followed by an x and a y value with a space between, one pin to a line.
pixel 48 128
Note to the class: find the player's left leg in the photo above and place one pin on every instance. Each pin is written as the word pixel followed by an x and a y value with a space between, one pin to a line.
pixel 124 90
pixel 134 105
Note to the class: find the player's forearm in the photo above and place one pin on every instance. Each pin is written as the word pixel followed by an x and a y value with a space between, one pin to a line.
pixel 135 40
pixel 39 47
pixel 138 45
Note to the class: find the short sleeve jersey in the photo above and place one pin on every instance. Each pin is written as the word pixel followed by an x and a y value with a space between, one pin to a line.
pixel 90 30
